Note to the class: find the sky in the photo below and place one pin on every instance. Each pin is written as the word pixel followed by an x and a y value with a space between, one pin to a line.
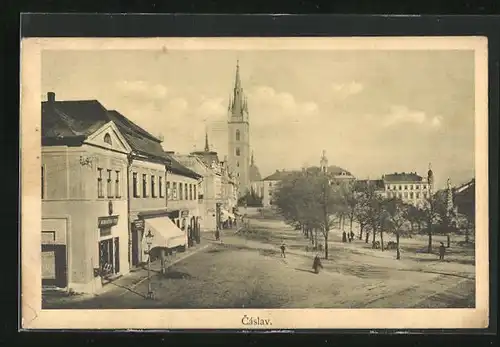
pixel 373 112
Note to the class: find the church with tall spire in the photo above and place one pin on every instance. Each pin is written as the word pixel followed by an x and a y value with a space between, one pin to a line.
pixel 239 135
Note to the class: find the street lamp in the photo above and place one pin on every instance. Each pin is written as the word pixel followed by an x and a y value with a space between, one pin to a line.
pixel 149 240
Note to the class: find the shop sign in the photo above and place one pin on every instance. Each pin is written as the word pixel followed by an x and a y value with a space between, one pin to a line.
pixel 107 222
pixel 184 213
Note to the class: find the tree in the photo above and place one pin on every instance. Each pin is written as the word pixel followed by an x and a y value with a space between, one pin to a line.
pixel 444 217
pixel 396 212
pixel 430 215
pixel 361 212
pixel 413 216
pixel 375 214
pixel 350 202
pixel 310 198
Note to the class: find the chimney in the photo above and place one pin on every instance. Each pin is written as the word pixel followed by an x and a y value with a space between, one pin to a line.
pixel 51 97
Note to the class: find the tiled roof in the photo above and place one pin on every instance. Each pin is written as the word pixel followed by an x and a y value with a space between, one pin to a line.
pixel 363 184
pixel 139 139
pixel 402 177
pixel 77 119
pixel 207 157
pixel 70 119
pixel 176 167
pixel 278 175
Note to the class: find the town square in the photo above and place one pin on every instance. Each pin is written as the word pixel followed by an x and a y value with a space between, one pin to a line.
pixel 236 179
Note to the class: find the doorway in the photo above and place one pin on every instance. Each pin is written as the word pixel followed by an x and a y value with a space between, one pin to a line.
pixel 54 266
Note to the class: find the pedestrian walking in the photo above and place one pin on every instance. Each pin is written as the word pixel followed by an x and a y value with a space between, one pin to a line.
pixel 344 236
pixel 283 248
pixel 317 264
pixel 442 249
pixel 352 235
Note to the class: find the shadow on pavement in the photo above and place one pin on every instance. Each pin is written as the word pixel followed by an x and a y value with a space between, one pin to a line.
pixel 176 275
pixel 304 270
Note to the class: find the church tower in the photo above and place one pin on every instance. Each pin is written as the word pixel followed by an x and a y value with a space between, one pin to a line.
pixel 324 163
pixel 239 135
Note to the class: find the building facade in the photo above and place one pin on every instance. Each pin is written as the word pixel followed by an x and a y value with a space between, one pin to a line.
pixel 148 213
pixel 409 187
pixel 209 188
pixel 239 135
pixel 183 187
pixel 84 196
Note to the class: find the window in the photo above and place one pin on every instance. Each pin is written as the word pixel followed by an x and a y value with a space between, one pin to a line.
pixel 399 195
pixel 400 187
pixel 135 185
pixel 181 192
pixel 194 192
pixel 237 151
pixel 153 190
pixel 169 193
pixel 237 135
pixel 418 195
pixel 160 186
pixel 109 186
pixel 411 195
pixel 117 185
pixel 43 182
pixel 406 187
pixel 174 190
pixel 270 184
pixel 185 191
pixel 144 185
pixel 107 139
pixel 237 164
pixel 100 192
pixel 190 192
pixel 406 194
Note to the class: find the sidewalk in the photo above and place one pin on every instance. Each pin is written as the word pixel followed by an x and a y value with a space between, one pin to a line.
pixel 132 279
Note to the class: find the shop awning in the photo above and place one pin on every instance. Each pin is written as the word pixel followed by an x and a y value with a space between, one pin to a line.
pixel 165 233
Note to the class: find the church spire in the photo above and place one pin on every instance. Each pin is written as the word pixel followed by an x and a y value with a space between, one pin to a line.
pixel 207 148
pixel 238 102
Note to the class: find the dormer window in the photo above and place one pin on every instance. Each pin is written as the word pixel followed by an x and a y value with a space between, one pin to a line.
pixel 107 139
pixel 237 135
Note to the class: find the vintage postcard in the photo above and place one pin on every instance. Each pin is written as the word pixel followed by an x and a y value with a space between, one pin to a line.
pixel 254 183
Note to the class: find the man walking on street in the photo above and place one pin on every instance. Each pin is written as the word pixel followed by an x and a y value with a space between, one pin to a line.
pixel 442 249
pixel 283 248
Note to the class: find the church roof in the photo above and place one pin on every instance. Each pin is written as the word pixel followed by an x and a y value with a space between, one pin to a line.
pixel 254 173
pixel 278 175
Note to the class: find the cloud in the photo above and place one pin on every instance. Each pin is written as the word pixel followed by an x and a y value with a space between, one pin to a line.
pixel 344 90
pixel 142 89
pixel 268 106
pixel 210 108
pixel 402 114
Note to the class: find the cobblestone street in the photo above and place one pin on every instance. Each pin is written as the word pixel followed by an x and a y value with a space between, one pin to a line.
pixel 247 270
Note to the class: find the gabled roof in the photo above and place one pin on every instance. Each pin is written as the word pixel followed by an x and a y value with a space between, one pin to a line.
pixel 177 168
pixel 139 139
pixel 402 177
pixel 278 175
pixel 208 157
pixel 72 122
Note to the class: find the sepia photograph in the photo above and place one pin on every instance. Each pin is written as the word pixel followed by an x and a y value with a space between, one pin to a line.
pixel 284 183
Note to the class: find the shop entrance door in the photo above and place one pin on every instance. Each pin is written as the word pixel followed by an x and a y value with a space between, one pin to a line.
pixel 106 258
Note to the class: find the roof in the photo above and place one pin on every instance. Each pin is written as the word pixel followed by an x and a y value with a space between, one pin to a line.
pixel 75 120
pixel 254 173
pixel 402 177
pixel 363 184
pixel 72 119
pixel 139 139
pixel 278 175
pixel 177 168
pixel 207 157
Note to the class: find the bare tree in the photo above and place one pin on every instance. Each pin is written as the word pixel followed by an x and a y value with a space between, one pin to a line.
pixel 396 212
